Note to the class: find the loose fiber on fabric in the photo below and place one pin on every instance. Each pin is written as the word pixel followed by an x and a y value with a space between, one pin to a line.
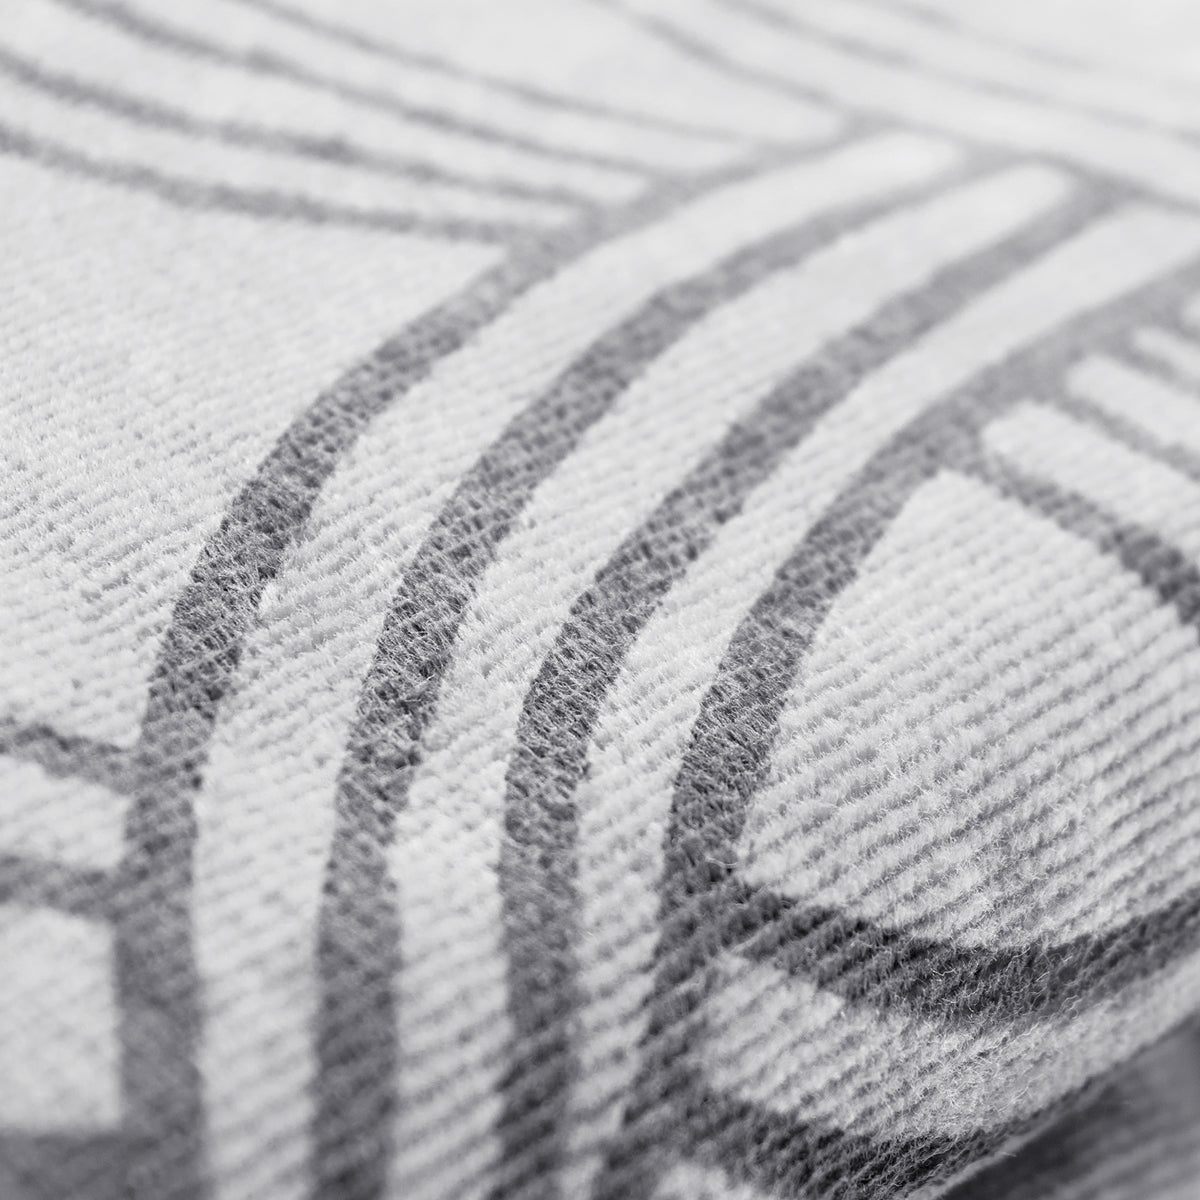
pixel 600 599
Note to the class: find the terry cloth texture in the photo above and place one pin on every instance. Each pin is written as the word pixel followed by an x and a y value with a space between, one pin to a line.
pixel 599 600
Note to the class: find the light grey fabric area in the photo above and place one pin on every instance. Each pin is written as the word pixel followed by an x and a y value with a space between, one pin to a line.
pixel 599 600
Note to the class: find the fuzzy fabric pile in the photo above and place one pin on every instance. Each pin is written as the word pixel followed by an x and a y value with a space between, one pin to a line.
pixel 600 600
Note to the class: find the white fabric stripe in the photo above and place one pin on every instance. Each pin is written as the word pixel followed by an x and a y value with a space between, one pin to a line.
pixel 447 841
pixel 108 140
pixel 243 30
pixel 1166 413
pixel 259 869
pixel 836 288
pixel 1154 160
pixel 994 733
pixel 648 715
pixel 942 48
pixel 628 73
pixel 1178 353
pixel 66 820
pixel 59 1053
pixel 94 49
pixel 1107 472
pixel 862 1070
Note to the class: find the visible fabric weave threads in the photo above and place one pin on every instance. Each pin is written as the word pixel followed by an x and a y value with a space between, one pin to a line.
pixel 600 599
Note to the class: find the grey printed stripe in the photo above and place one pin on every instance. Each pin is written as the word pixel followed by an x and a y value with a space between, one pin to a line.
pixel 870 963
pixel 1162 568
pixel 1161 367
pixel 341 151
pixel 266 62
pixel 560 710
pixel 199 658
pixel 788 1158
pixel 359 941
pixel 943 20
pixel 551 100
pixel 675 36
pixel 66 756
pixel 64 1166
pixel 795 24
pixel 730 744
pixel 38 883
pixel 278 205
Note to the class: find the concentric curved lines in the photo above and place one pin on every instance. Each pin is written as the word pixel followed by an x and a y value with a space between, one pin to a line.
pixel 197 662
pixel 976 244
pixel 88 41
pixel 890 36
pixel 719 246
pixel 545 203
pixel 262 874
pixel 256 202
pixel 745 114
pixel 983 353
pixel 457 138
pixel 620 133
pixel 720 32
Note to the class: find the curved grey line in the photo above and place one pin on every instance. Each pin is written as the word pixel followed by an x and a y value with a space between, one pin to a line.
pixel 266 62
pixel 731 740
pixel 896 58
pixel 523 91
pixel 869 962
pixel 1162 368
pixel 1178 457
pixel 333 150
pixel 198 659
pixel 359 939
pixel 697 49
pixel 1036 53
pixel 283 206
pixel 558 716
pixel 66 756
pixel 42 883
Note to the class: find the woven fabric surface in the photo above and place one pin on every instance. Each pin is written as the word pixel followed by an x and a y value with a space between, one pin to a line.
pixel 600 599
